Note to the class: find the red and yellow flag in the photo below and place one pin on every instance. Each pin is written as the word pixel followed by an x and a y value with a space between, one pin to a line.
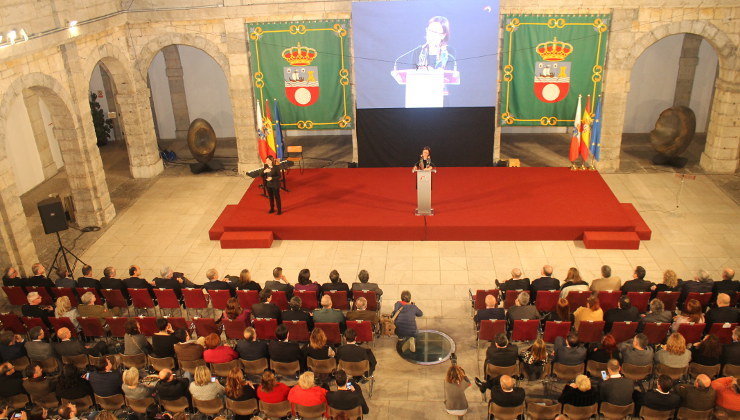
pixel 586 130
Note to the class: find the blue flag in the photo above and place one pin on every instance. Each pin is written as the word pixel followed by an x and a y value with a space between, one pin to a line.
pixel 279 144
pixel 596 132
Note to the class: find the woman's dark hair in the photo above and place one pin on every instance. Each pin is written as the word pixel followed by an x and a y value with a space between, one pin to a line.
pixel 609 344
pixel 132 327
pixel 711 347
pixel 69 378
pixel 563 309
pixel 233 309
pixel 162 324
pixel 406 296
pixel 334 276
pixel 428 149
pixel 304 276
pixel 445 27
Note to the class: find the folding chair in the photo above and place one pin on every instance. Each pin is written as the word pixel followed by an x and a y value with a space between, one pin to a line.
pixel 114 299
pixel 247 298
pixel 636 372
pixel 47 401
pixel 338 299
pixel 159 363
pixel 138 361
pixel 505 413
pixel 689 414
pixel 555 329
pixel 542 411
pixel 590 331
pixel 117 326
pixel 525 329
pixel 83 404
pixel 166 299
pixel 295 154
pixel 147 325
pixel 489 329
pixel 49 365
pixel 309 301
pixel 331 329
pixel 12 322
pixel 580 413
pixel 310 412
pixel 276 410
pixel 80 361
pixel 623 331
pixel 566 372
pixel 297 331
pixel 16 295
pixel 616 412
pixel 265 328
pixel 647 413
pixel 703 298
pixel 178 322
pixel 63 322
pixel 656 332
pixel 242 408
pixel 319 366
pixel 233 329
pixel 91 327
pixel 142 299
pixel 205 326
pixel 280 299
pixel 46 298
pixel 372 299
pixel 577 299
pixel 112 403
pixel 254 367
pixel 727 370
pixel 357 370
pixel 609 299
pixel 479 300
pixel 194 299
pixel 219 299
pixel 209 407
pixel 673 373
pixel 669 299
pixel 176 406
pixel 288 370
pixel 695 369
pixel 639 300
pixel 190 365
pixel 723 331
pixel 69 292
pixel 510 298
pixel 139 406
pixel 30 322
pixel 364 330
pixel 494 370
pixel 222 369
pixel 594 368
pixel 547 300
pixel 692 332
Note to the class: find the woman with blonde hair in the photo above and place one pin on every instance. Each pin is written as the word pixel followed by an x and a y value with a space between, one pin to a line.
pixel 270 390
pixel 317 347
pixel 692 314
pixel 245 282
pixel 580 393
pixel 64 309
pixel 456 382
pixel 535 358
pixel 204 387
pixel 306 392
pixel 674 353
pixel 573 283
pixel 671 282
pixel 132 388
pixel 591 312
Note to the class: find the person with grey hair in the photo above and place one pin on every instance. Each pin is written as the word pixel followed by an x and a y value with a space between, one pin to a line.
pixel 727 284
pixel 701 283
pixel 39 278
pixel 214 283
pixel 360 313
pixel 89 309
pixel 110 281
pixel 516 282
pixel 175 281
pixel 656 313
pixel 364 284
pixel 12 278
pixel 607 282
pixel 731 351
pixel 34 308
pixel 546 282
pixel 522 309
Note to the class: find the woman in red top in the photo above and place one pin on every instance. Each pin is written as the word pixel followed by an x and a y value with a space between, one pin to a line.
pixel 234 311
pixel 270 390
pixel 215 352
pixel 307 393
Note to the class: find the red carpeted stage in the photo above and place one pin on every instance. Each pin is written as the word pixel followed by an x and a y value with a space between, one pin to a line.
pixel 477 204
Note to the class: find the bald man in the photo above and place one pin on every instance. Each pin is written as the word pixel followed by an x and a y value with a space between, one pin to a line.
pixel 699 396
pixel 727 284
pixel 170 387
pixel 67 346
pixel 328 314
pixel 516 282
pixel 546 282
pixel 722 313
pixel 504 393
pixel 491 311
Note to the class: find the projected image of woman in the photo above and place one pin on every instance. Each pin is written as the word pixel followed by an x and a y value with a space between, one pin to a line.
pixel 435 52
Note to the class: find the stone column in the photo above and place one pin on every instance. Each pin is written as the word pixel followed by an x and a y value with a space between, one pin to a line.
pixel 110 98
pixel 723 133
pixel 17 246
pixel 33 108
pixel 686 69
pixel 173 69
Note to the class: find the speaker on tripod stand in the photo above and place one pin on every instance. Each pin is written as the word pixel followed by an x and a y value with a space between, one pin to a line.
pixel 54 220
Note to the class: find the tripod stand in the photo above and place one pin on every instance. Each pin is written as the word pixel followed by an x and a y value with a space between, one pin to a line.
pixel 64 251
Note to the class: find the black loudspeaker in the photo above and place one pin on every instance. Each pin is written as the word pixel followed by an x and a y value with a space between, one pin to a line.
pixel 52 215
pixel 351 164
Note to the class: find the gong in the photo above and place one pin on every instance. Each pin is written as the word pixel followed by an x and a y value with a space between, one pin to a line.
pixel 673 131
pixel 201 140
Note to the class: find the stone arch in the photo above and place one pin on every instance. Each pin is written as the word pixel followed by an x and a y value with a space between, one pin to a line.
pixel 147 53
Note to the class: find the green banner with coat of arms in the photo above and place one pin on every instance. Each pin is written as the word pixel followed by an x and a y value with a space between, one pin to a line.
pixel 546 62
pixel 305 66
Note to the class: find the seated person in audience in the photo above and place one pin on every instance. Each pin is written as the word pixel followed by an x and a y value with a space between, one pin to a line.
pixel 573 283
pixel 607 282
pixel 351 352
pixel 69 412
pixel 71 384
pixel 168 280
pixel 187 350
pixel 266 309
pixel 237 388
pixel 700 396
pixel 249 348
pixel 64 280
pixel 317 347
pixel 89 309
pixel 68 346
pixel 661 398
pixel 214 283
pixel 305 283
pixel 591 312
pixel 87 280
pixel 296 313
pixel 283 351
pixel 270 390
pixel 605 351
pixel 336 285
pixel 727 285
pixel 702 283
pixel 656 313
pixel 12 381
pixel 728 398
pixel 490 312
pixel 134 342
pixel 501 352
pixel 104 380
pixel 579 393
pixel 365 285
pixel 202 388
pixel 64 309
pixel 11 346
pixel 522 309
pixel 170 387
pixel 306 392
pixel 674 352
pixel 11 278
pixel 135 281
pixel 348 394
pixel 546 282
pixel 624 312
pixel 723 312
pixel 132 388
pixel 215 352
pixel 535 358
pixel 638 282
pixel 37 348
pixel 279 283
pixel 39 278
pixel 110 281
pixel 561 312
pixel 34 308
pixel 616 389
pixel 163 341
pixel 671 282
pixel 516 282
pixel 692 313
pixel 360 313
pixel 708 352
pixel 36 384
pixel 636 351
pixel 327 314
pixel 568 351
pixel 234 312
pixel 245 282
pixel 730 351
pixel 504 393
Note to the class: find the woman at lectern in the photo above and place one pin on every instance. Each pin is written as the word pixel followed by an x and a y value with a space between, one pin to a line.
pixel 425 160
pixel 272 184
pixel 435 52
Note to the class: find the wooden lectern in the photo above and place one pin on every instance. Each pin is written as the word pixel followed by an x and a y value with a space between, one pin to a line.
pixel 425 88
pixel 424 192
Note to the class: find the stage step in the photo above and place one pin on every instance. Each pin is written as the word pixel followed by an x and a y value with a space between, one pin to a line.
pixel 218 227
pixel 642 229
pixel 246 239
pixel 611 240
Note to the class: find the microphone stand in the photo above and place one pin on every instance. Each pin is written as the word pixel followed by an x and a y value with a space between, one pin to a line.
pixel 395 63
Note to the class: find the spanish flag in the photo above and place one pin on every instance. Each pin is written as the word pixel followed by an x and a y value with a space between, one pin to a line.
pixel 586 131
pixel 261 135
pixel 269 132
pixel 575 138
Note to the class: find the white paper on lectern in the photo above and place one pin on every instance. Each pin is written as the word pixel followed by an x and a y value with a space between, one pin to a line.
pixel 425 88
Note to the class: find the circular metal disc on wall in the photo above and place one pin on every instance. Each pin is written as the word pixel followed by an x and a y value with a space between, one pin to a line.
pixel 673 131
pixel 201 140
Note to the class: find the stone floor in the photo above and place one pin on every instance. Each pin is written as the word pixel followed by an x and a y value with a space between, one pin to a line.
pixel 164 221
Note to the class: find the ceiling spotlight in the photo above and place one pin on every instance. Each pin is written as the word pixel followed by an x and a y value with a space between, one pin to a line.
pixel 72 23
pixel 11 37
pixel 24 35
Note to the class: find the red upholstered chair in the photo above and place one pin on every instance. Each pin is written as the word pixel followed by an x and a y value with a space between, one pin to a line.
pixel 147 325
pixel 525 329
pixel 669 299
pixel 178 322
pixel 35 322
pixel 364 330
pixel 63 322
pixel 692 332
pixel 723 331
pixel 142 299
pixel 233 329
pixel 280 299
pixel 656 332
pixel 205 326
pixel 490 328
pixel 338 299
pixel 556 329
pixel 577 299
pixel 16 295
pixel 703 298
pixel 91 327
pixel 297 331
pixel 623 331
pixel 331 329
pixel 370 296
pixel 479 300
pixel 219 298
pixel 167 299
pixel 69 292
pixel 114 298
pixel 609 299
pixel 639 300
pixel 247 298
pixel 117 326
pixel 547 300
pixel 46 298
pixel 12 322
pixel 194 298
pixel 82 290
pixel 265 328
pixel 309 301
pixel 510 298
pixel 590 331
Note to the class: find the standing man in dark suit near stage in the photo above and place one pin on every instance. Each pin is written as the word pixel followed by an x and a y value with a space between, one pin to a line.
pixel 272 184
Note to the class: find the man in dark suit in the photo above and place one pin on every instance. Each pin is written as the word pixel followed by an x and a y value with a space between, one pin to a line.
pixel 624 312
pixel 214 283
pixel 491 311
pixel 295 313
pixel 266 309
pixel 38 349
pixel 638 282
pixel 504 393
pixel 722 313
pixel 87 280
pixel 174 281
pixel 11 278
pixel 11 346
pixel 39 278
pixel 109 281
pixel 702 283
pixel 727 284
pixel 616 389
pixel 351 352
pixel 522 309
pixel 67 346
pixel 281 350
pixel 700 396
pixel 249 348
pixel 64 279
pixel 335 284
pixel 546 282
pixel 660 398
pixel 516 282
pixel 34 309
pixel 169 387
pixel 501 352
pixel 731 351
pixel 568 351
pixel 135 281
pixel 279 283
